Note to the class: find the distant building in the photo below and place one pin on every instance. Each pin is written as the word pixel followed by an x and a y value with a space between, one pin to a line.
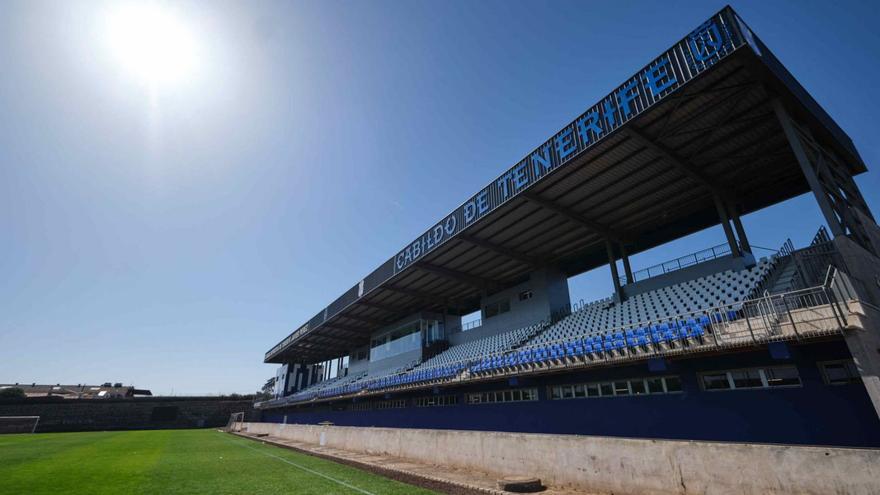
pixel 105 391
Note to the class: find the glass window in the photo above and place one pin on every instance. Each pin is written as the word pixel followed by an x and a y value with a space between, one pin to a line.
pixel 517 395
pixel 403 339
pixel 491 310
pixel 638 387
pixel 503 306
pixel 655 385
pixel 786 376
pixel 746 379
pixel 525 295
pixel 840 372
pixel 620 388
pixel 715 381
pixel 496 308
pixel 673 384
pixel 508 396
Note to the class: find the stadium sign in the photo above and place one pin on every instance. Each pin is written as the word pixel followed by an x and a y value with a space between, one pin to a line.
pixel 702 48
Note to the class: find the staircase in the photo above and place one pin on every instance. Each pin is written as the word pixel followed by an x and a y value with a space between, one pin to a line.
pixel 784 276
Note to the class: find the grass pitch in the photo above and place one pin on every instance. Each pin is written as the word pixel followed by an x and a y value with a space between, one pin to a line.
pixel 173 462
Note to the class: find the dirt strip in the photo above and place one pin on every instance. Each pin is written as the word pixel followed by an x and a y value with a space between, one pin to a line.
pixel 443 479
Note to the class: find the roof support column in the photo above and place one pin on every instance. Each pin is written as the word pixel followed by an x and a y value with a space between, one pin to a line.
pixel 627 269
pixel 803 159
pixel 725 222
pixel 740 231
pixel 615 277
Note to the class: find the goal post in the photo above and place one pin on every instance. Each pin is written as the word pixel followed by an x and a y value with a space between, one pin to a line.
pixel 19 424
pixel 236 422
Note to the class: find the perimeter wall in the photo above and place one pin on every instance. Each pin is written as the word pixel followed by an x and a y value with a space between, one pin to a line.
pixel 127 414
pixel 613 465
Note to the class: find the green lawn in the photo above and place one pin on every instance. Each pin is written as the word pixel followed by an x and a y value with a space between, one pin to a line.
pixel 173 462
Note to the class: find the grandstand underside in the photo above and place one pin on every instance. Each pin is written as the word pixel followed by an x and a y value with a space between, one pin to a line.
pixel 721 344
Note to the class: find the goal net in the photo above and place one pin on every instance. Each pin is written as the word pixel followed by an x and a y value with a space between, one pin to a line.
pixel 18 424
pixel 236 422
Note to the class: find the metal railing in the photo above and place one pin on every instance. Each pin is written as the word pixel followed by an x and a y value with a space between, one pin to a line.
pixel 795 315
pixel 679 263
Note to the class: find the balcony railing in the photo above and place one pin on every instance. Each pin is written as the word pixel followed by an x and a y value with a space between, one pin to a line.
pixel 676 264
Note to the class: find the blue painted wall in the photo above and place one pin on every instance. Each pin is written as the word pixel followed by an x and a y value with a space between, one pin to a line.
pixel 815 413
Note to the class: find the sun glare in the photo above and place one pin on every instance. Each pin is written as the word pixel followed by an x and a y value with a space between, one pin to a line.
pixel 152 43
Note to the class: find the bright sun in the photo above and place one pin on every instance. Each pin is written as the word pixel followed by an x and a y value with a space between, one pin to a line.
pixel 152 43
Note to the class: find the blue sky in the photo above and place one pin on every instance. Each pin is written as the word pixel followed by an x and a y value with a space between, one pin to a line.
pixel 168 235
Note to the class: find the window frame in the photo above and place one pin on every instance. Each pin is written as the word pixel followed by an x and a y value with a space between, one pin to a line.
pixel 613 388
pixel 762 375
pixel 848 364
pixel 502 396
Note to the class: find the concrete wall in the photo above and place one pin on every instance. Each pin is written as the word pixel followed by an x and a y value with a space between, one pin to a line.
pixel 812 414
pixel 614 465
pixel 549 293
pixel 127 414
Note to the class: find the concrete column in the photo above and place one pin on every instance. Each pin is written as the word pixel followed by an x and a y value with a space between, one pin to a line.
pixel 627 269
pixel 725 222
pixel 864 344
pixel 740 231
pixel 615 277
pixel 807 168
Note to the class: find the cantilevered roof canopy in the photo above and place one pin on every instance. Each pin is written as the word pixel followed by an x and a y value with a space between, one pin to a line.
pixel 642 167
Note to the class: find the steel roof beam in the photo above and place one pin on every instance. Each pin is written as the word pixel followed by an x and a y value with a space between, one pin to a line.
pixel 425 296
pixel 472 280
pixel 379 306
pixel 325 337
pixel 368 321
pixel 575 217
pixel 509 253
pixel 673 158
pixel 350 330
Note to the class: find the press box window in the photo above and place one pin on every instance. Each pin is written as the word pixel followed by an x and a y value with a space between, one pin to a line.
pixel 840 372
pixel 525 295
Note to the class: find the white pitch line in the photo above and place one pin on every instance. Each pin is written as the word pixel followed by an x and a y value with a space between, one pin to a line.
pixel 312 471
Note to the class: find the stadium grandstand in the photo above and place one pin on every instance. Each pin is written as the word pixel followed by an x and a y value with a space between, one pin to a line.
pixel 719 344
